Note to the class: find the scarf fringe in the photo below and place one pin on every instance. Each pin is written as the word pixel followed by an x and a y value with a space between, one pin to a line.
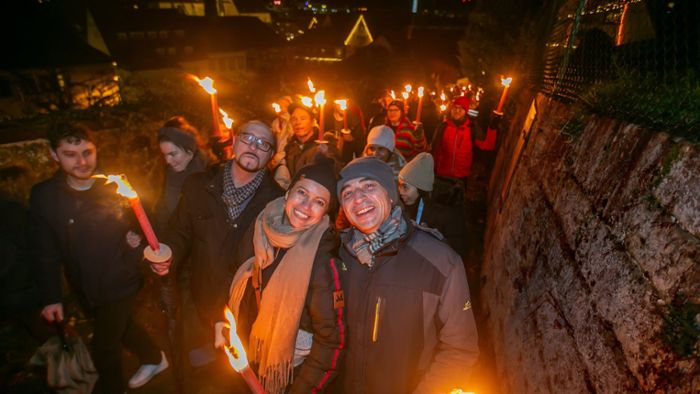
pixel 275 378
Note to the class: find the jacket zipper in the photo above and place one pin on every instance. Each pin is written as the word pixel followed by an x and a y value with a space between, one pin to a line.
pixel 375 327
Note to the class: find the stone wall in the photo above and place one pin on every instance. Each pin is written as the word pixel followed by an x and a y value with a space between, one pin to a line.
pixel 591 270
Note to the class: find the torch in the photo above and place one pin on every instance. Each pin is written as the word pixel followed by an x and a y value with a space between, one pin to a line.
pixel 310 84
pixel 343 104
pixel 506 84
pixel 155 252
pixel 277 109
pixel 420 103
pixel 208 85
pixel 320 100
pixel 237 356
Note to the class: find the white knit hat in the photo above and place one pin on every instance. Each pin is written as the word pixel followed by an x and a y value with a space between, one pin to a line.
pixel 419 172
pixel 382 136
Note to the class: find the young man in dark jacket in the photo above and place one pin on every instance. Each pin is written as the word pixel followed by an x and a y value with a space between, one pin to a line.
pixel 85 225
pixel 215 210
pixel 410 324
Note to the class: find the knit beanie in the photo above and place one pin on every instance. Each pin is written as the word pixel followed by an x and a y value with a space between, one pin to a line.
pixel 419 172
pixel 382 136
pixel 462 101
pixel 321 171
pixel 369 167
pixel 178 137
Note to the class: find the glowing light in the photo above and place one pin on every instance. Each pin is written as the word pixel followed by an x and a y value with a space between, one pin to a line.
pixel 443 97
pixel 506 81
pixel 235 352
pixel 310 83
pixel 404 95
pixel 443 107
pixel 307 101
pixel 276 107
pixel 124 188
pixel 393 95
pixel 207 84
pixel 320 97
pixel 227 121
pixel 343 104
pixel 408 87
pixel 420 91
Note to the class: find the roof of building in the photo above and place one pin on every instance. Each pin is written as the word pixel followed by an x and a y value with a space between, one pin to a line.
pixel 39 37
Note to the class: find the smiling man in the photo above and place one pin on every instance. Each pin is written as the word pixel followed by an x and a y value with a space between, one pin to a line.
pixel 215 210
pixel 410 321
pixel 83 225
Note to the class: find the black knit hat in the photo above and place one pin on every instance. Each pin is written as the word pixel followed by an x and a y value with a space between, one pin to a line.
pixel 322 171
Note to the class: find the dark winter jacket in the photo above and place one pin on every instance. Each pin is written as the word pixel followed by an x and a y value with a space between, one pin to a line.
pixel 172 187
pixel 321 316
pixel 298 154
pixel 449 222
pixel 202 235
pixel 86 231
pixel 410 322
pixel 453 147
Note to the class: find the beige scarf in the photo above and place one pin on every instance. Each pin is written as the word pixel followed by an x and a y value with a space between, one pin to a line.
pixel 274 332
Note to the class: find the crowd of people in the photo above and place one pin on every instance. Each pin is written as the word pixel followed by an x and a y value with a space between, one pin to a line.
pixel 340 259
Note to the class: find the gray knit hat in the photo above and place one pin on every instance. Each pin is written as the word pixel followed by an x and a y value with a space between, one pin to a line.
pixel 419 172
pixel 382 136
pixel 369 168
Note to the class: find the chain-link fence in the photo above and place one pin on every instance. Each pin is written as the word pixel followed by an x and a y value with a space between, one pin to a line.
pixel 595 41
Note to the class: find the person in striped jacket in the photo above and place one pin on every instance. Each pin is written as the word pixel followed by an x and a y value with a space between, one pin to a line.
pixel 410 137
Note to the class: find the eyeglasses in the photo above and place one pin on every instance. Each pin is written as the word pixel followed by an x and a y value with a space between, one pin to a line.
pixel 260 143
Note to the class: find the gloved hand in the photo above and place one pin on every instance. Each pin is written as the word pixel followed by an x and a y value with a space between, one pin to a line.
pixel 495 120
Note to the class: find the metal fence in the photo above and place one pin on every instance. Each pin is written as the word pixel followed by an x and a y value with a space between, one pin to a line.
pixel 597 40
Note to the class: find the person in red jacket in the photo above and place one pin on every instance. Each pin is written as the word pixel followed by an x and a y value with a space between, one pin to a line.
pixel 454 141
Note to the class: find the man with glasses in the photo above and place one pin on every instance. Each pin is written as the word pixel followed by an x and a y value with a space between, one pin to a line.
pixel 215 209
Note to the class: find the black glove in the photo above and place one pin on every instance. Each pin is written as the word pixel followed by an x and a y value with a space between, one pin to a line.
pixel 495 120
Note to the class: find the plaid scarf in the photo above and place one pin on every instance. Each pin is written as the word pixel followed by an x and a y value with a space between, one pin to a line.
pixel 365 245
pixel 233 196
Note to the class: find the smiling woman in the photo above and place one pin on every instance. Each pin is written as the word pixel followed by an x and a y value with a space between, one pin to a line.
pixel 290 275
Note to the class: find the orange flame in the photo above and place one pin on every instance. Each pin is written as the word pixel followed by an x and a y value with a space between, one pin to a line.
pixel 343 104
pixel 320 97
pixel 506 81
pixel 124 188
pixel 460 391
pixel 207 84
pixel 420 91
pixel 277 107
pixel 235 351
pixel 405 95
pixel 443 97
pixel 307 101
pixel 393 95
pixel 443 107
pixel 310 83
pixel 227 121
pixel 408 87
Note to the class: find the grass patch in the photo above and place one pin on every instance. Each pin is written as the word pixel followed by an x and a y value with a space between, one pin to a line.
pixel 671 105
